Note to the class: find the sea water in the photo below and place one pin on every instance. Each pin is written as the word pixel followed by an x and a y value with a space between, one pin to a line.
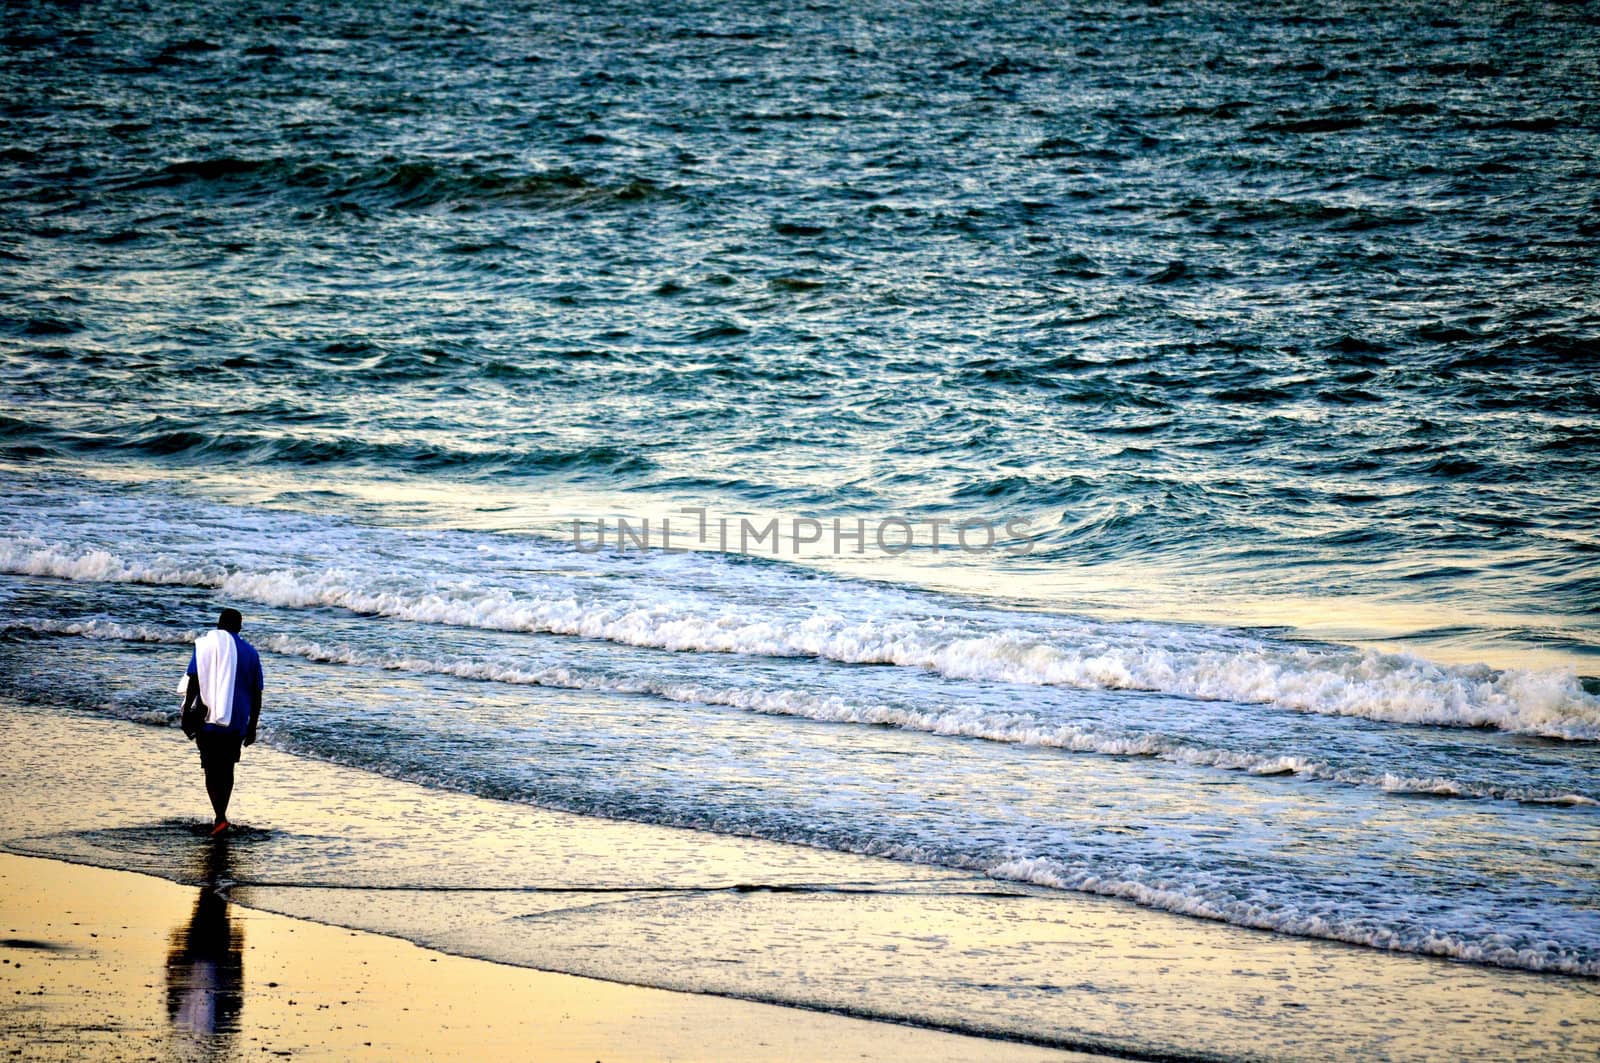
pixel 1265 338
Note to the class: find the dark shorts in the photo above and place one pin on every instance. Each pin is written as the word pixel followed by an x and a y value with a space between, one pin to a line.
pixel 218 749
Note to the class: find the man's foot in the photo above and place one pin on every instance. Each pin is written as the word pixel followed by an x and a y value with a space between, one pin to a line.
pixel 218 827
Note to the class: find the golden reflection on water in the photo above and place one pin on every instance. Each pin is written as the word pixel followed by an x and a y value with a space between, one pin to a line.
pixel 1448 631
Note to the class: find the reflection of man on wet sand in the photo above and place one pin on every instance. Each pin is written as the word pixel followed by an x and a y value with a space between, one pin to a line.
pixel 225 685
pixel 205 960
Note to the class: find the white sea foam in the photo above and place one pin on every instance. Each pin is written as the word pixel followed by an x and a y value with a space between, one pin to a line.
pixel 1530 953
pixel 995 646
pixel 22 558
pixel 963 722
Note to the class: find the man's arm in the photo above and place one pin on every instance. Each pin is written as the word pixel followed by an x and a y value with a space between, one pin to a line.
pixel 255 716
pixel 192 695
pixel 191 699
pixel 255 701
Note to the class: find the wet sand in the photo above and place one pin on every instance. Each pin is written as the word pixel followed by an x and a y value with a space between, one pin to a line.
pixel 113 965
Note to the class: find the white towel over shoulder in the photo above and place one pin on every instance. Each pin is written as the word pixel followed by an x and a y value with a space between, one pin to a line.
pixel 216 659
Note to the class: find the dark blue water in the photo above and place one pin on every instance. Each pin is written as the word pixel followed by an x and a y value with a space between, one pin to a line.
pixel 1296 302
pixel 1274 328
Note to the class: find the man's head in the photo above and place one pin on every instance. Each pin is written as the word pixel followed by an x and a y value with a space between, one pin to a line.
pixel 230 620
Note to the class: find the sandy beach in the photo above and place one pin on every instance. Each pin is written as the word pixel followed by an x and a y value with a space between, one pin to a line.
pixel 91 952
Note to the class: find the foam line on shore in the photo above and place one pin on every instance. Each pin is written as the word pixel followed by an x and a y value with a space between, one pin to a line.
pixel 1013 728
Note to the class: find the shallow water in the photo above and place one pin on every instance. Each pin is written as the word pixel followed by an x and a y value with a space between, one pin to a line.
pixel 745 917
pixel 1311 788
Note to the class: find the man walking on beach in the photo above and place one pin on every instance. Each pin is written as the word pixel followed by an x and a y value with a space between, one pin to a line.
pixel 225 687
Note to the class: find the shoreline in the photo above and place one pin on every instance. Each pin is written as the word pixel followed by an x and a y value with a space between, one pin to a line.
pixel 718 916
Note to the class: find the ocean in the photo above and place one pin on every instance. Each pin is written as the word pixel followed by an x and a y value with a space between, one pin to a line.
pixel 1133 449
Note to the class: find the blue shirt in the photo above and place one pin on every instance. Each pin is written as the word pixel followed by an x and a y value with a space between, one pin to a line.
pixel 246 680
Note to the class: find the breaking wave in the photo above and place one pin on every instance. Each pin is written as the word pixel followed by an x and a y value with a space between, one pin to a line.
pixel 995 647
pixel 1011 728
